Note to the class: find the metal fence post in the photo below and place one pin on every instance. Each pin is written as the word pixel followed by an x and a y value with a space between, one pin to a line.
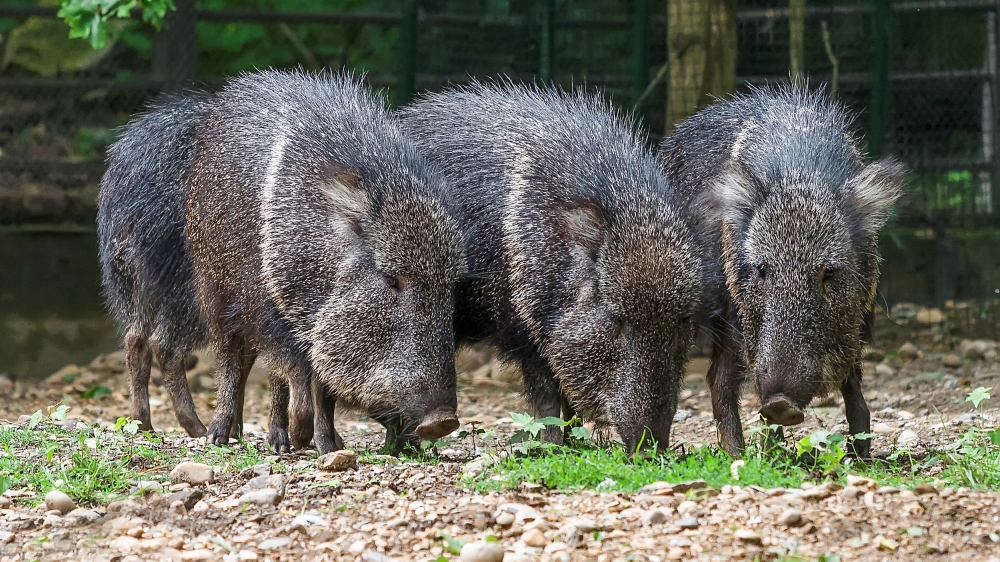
pixel 406 83
pixel 640 51
pixel 175 47
pixel 548 8
pixel 880 79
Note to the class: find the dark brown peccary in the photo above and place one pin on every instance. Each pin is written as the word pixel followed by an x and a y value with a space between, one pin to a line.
pixel 147 272
pixel 321 237
pixel 793 211
pixel 583 270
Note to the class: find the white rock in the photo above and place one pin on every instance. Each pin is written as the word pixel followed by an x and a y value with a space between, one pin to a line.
pixel 275 543
pixel 882 428
pixel 193 473
pixel 267 496
pixel 482 551
pixel 535 538
pixel 907 437
pixel 791 518
pixel 83 516
pixel 883 370
pixel 58 501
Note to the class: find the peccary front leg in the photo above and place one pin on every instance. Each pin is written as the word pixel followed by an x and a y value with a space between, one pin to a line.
pixel 139 359
pixel 324 407
pixel 544 395
pixel 230 382
pixel 724 381
pixel 568 413
pixel 858 416
pixel 300 408
pixel 175 381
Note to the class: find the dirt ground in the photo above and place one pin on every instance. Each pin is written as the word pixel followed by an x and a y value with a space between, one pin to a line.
pixel 398 510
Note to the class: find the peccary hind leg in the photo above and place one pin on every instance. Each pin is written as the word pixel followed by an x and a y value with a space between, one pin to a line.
pixel 544 395
pixel 175 380
pixel 139 359
pixel 277 433
pixel 396 440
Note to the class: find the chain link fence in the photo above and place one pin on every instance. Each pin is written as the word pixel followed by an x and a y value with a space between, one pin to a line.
pixel 920 74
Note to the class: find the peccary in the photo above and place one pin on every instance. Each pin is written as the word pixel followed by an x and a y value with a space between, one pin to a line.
pixel 793 211
pixel 147 272
pixel 322 237
pixel 582 268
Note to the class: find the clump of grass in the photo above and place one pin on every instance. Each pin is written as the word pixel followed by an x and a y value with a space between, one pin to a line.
pixel 93 465
pixel 972 460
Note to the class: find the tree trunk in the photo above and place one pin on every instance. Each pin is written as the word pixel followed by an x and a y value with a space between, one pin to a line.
pixel 796 41
pixel 701 45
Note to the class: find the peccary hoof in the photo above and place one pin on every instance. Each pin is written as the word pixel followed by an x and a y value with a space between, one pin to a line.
pixel 782 411
pixel 437 424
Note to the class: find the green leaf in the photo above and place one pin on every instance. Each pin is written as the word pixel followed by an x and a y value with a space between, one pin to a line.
pixel 978 395
pixel 863 435
pixel 120 423
pixel 523 419
pixel 452 544
pixel 491 538
pixel 60 413
pixel 36 418
pixel 132 427
pixel 441 443
pixel 5 483
pixel 994 435
pixel 95 392
pixel 829 558
pixel 558 422
pixel 580 432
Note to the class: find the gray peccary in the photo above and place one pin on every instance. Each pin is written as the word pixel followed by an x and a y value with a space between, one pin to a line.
pixel 322 237
pixel 793 211
pixel 147 271
pixel 583 270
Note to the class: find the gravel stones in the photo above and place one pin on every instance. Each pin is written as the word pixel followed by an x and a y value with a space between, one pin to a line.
pixel 194 473
pixel 748 536
pixel 337 461
pixel 482 551
pixel 59 501
pixel 653 517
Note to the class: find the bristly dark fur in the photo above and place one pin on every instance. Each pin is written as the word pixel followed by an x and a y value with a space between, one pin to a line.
pixel 146 271
pixel 793 212
pixel 583 270
pixel 321 237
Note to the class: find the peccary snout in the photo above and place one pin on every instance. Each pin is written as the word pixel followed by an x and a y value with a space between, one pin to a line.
pixel 437 423
pixel 781 410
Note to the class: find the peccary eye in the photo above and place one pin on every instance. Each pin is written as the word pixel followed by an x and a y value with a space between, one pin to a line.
pixel 392 282
pixel 761 272
pixel 828 273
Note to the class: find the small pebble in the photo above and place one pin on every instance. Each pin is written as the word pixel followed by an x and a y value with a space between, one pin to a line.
pixel 688 523
pixel 907 437
pixel 791 518
pixel 275 543
pixel 482 551
pixel 337 461
pixel 267 496
pixel 59 501
pixel 193 473
pixel 505 519
pixel 653 517
pixel 535 538
pixel 749 536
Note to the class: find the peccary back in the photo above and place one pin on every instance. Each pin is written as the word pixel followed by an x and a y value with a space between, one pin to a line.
pixel 146 271
pixel 794 212
pixel 320 235
pixel 582 269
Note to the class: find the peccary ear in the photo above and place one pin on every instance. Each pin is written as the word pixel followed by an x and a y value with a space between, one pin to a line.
pixel 584 224
pixel 342 188
pixel 872 193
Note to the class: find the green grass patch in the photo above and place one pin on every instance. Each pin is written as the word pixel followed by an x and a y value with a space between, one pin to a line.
pixel 94 465
pixel 970 460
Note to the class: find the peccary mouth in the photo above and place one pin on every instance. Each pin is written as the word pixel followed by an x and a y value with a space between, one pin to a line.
pixel 436 424
pixel 781 410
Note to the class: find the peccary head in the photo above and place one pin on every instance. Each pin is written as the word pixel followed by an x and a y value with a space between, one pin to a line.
pixel 801 261
pixel 381 335
pixel 619 345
